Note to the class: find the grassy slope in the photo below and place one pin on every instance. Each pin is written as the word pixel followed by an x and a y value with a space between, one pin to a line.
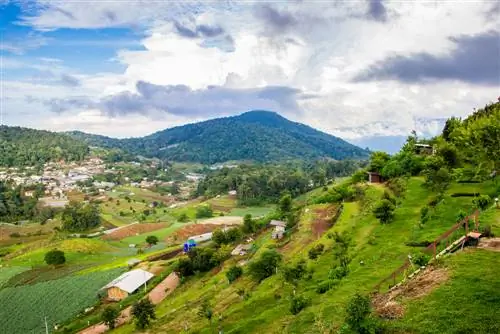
pixel 381 248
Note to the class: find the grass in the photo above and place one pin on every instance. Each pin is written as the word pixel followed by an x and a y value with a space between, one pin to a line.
pixel 24 308
pixel 255 211
pixel 161 233
pixel 6 273
pixel 464 304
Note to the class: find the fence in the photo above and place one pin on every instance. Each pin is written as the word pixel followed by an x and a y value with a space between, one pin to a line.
pixel 394 276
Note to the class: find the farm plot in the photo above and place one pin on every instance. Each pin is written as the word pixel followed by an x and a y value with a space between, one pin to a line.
pixel 7 273
pixel 133 230
pixel 24 308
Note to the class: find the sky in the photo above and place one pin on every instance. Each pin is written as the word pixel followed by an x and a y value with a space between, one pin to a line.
pixel 367 71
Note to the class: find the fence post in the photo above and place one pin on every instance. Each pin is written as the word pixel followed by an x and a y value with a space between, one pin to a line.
pixel 434 245
pixel 466 225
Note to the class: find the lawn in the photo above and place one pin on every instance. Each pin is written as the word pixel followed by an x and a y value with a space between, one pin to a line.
pixel 24 308
pixel 463 304
pixel 255 211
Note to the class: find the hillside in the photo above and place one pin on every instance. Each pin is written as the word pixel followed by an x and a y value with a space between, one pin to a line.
pixel 27 147
pixel 255 135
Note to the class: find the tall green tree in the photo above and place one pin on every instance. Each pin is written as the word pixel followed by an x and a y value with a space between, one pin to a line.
pixel 143 312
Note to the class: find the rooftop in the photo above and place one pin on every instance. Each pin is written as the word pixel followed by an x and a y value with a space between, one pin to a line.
pixel 130 281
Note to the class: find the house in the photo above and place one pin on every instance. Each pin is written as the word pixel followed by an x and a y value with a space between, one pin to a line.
pixel 127 284
pixel 374 177
pixel 424 149
pixel 279 228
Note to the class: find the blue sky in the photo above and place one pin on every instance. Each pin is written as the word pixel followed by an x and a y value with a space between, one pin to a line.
pixel 361 70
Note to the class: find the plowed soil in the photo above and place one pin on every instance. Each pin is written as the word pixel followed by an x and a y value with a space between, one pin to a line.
pixel 190 230
pixel 132 230
pixel 322 222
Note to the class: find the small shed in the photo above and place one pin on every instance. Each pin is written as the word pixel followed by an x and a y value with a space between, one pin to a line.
pixel 127 284
pixel 374 177
pixel 279 228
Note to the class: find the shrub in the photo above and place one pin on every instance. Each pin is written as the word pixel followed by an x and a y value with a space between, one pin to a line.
pixel 265 266
pixel 357 313
pixel 234 273
pixel 152 239
pixel 204 211
pixel 420 259
pixel 338 273
pixel 424 214
pixel 143 312
pixel 316 251
pixel 388 196
pixel 55 257
pixel 183 218
pixel 397 186
pixel 109 316
pixel 325 286
pixel 482 202
pixel 298 303
pixel 294 273
pixel 384 211
pixel 487 231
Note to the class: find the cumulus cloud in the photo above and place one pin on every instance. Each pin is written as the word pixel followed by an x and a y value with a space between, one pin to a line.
pixel 475 59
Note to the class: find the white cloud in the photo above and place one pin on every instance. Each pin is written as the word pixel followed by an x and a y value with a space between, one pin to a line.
pixel 315 47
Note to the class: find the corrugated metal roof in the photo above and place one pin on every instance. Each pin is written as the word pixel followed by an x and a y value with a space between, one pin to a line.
pixel 277 223
pixel 474 235
pixel 130 281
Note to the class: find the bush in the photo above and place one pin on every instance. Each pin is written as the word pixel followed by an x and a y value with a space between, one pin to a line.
pixel 234 273
pixel 204 211
pixel 388 196
pixel 183 218
pixel 109 316
pixel 298 303
pixel 424 214
pixel 265 266
pixel 338 273
pixel 143 312
pixel 482 202
pixel 487 231
pixel 325 286
pixel 152 239
pixel 294 273
pixel 357 314
pixel 384 211
pixel 316 251
pixel 55 257
pixel 420 259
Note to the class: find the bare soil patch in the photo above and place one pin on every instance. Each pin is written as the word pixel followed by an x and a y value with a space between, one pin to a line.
pixel 223 220
pixel 492 244
pixel 132 230
pixel 190 230
pixel 323 220
pixel 388 305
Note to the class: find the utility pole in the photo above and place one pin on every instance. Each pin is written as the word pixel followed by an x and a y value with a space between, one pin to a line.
pixel 46 326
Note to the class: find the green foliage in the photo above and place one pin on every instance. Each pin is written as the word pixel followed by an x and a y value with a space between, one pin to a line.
pixel 79 217
pixel 285 205
pixel 183 217
pixel 14 206
pixel 388 196
pixel 357 314
pixel 205 311
pixel 234 273
pixel 221 237
pixel 258 136
pixel 204 211
pixel 152 239
pixel 424 214
pixel 482 202
pixel 420 259
pixel 109 316
pixel 143 312
pixel 29 147
pixel 341 250
pixel 378 161
pixel 316 251
pixel 55 257
pixel 249 225
pixel 326 286
pixel 298 303
pixel 265 266
pixel 293 273
pixel 384 211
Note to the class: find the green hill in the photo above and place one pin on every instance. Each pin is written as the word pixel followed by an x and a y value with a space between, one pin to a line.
pixel 256 135
pixel 27 147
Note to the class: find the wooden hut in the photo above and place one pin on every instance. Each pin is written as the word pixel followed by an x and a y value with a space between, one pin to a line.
pixel 127 283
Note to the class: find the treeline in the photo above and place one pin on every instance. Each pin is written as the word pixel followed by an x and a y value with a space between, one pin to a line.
pixel 14 206
pixel 266 183
pixel 29 147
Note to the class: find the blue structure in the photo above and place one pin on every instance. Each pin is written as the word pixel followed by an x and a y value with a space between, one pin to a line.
pixel 188 245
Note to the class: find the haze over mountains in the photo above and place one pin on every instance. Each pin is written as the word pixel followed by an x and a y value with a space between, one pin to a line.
pixel 256 135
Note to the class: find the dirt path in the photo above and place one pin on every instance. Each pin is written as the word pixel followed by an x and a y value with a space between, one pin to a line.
pixel 158 294
pixel 492 244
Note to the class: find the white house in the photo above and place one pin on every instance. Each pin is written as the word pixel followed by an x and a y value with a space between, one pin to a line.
pixel 279 228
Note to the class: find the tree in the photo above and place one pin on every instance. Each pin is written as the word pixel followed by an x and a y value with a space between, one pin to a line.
pixel 204 211
pixel 285 205
pixel 384 211
pixel 292 274
pixel 482 202
pixel 234 273
pixel 357 314
pixel 143 312
pixel 341 249
pixel 77 217
pixel 55 257
pixel 109 316
pixel 265 266
pixel 249 224
pixel 152 239
pixel 378 160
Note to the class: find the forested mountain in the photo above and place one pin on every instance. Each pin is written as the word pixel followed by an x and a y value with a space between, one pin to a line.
pixel 255 135
pixel 27 147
